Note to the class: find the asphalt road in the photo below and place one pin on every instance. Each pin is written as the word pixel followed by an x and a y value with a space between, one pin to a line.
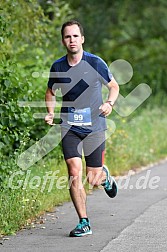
pixel 136 220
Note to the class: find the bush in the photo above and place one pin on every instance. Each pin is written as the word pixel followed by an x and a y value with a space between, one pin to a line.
pixel 27 45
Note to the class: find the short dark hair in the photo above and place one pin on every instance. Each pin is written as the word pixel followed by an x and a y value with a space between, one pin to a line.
pixel 69 23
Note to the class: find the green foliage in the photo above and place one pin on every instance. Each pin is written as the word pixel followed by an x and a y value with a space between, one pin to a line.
pixel 129 30
pixel 29 193
pixel 138 140
pixel 28 44
pixel 13 118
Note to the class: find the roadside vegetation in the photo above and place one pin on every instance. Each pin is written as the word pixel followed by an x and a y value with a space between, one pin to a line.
pixel 30 42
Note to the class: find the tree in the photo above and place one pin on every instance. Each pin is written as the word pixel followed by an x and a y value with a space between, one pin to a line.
pixel 132 30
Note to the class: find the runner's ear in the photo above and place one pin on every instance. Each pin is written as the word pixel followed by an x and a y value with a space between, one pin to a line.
pixel 83 39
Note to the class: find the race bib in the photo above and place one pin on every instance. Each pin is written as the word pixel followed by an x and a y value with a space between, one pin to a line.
pixel 79 117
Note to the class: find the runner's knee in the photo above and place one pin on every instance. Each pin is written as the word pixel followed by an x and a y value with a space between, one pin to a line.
pixel 74 166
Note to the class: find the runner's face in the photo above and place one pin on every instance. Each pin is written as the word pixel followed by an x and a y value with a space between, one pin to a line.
pixel 73 39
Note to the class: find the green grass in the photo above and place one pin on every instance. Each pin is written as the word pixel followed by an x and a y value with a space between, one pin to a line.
pixel 138 140
pixel 32 192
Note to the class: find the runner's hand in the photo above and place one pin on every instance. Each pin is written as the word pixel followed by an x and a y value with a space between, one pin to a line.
pixel 49 118
pixel 106 109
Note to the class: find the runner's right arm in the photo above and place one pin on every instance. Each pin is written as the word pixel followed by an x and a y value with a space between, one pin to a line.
pixel 50 105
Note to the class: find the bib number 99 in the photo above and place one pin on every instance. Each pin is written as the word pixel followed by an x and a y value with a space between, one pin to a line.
pixel 78 117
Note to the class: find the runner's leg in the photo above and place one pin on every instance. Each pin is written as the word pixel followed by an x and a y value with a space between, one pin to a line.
pixel 77 191
pixel 70 142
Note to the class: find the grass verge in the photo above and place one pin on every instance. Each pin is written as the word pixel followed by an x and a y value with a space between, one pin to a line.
pixel 137 141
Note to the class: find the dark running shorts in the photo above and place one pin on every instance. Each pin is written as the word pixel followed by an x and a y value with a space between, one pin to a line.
pixel 93 146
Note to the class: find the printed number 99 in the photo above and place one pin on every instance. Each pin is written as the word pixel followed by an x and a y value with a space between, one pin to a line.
pixel 78 117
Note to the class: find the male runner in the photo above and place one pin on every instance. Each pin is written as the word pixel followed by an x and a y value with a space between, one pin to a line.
pixel 80 76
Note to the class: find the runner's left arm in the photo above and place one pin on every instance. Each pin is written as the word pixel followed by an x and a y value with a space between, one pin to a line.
pixel 106 107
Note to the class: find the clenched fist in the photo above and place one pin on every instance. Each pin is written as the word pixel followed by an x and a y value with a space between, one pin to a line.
pixel 49 118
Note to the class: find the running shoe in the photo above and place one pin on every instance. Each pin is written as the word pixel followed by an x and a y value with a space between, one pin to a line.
pixel 110 185
pixel 82 229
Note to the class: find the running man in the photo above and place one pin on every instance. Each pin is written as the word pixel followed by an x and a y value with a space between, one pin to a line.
pixel 80 76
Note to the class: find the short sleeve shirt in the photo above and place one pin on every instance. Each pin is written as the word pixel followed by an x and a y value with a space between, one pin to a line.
pixel 81 88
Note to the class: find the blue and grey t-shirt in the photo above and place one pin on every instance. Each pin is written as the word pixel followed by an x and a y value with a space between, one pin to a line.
pixel 81 88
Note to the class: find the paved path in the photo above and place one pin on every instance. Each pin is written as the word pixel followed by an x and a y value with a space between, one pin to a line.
pixel 136 220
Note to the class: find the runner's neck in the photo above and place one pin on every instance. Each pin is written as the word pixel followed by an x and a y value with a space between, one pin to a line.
pixel 74 59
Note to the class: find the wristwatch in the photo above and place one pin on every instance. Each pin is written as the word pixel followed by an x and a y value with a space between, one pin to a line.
pixel 111 103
